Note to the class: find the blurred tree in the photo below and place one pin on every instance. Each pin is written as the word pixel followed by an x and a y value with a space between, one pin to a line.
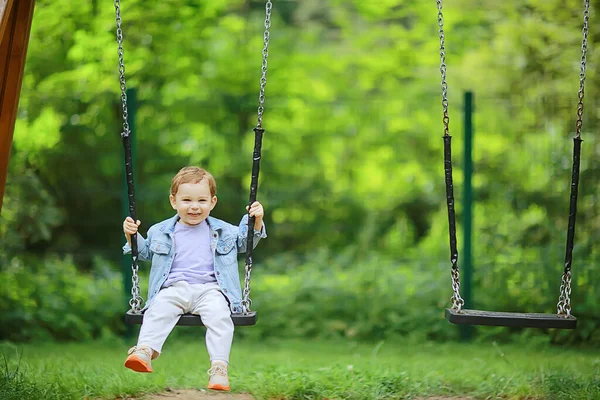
pixel 352 154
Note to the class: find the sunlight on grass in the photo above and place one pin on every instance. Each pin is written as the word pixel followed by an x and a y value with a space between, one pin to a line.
pixel 303 370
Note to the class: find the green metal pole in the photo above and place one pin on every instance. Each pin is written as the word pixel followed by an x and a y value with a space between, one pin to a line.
pixel 467 216
pixel 126 258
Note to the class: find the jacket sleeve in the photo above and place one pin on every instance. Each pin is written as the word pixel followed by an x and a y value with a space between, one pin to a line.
pixel 143 247
pixel 243 234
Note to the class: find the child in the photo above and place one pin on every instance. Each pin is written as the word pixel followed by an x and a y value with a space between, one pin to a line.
pixel 194 270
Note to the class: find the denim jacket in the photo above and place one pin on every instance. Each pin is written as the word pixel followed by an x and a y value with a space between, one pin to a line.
pixel 226 242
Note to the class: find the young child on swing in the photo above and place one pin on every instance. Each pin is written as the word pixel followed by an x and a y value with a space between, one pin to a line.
pixel 194 270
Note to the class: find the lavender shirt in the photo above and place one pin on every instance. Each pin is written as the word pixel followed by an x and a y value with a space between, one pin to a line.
pixel 193 262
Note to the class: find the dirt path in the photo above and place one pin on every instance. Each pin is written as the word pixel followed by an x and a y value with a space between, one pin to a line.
pixel 188 394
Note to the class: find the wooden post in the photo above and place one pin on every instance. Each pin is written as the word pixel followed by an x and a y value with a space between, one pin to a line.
pixel 5 7
pixel 16 17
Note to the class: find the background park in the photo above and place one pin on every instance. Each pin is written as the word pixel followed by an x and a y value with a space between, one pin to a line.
pixel 351 285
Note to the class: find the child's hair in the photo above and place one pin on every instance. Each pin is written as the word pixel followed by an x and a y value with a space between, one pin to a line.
pixel 193 175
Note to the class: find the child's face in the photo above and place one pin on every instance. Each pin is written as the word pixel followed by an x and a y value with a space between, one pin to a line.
pixel 193 202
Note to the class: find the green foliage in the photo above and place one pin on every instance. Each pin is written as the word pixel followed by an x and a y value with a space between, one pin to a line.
pixel 370 300
pixel 326 296
pixel 53 300
pixel 350 94
pixel 29 214
pixel 352 159
pixel 331 296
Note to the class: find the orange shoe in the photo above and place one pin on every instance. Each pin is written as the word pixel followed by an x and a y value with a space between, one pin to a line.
pixel 219 379
pixel 140 359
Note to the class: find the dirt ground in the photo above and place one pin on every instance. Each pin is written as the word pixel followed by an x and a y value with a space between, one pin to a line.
pixel 186 394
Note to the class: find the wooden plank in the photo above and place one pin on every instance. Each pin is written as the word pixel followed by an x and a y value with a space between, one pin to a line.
pixel 5 7
pixel 7 25
pixel 516 320
pixel 248 319
pixel 13 50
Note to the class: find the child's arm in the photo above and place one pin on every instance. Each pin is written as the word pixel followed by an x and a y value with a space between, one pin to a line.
pixel 129 228
pixel 260 231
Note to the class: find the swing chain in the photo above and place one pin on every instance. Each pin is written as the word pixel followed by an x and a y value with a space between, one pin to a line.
pixel 584 45
pixel 246 301
pixel 457 301
pixel 126 131
pixel 446 118
pixel 136 300
pixel 564 301
pixel 265 54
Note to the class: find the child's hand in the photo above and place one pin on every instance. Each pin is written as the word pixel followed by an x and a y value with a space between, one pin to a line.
pixel 256 211
pixel 130 227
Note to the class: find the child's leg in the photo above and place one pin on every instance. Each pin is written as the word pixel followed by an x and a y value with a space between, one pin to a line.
pixel 162 316
pixel 212 307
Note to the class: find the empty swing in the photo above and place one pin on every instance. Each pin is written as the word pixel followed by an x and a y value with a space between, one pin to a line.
pixel 246 317
pixel 563 319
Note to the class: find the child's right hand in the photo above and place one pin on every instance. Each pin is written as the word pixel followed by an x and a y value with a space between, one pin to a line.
pixel 130 227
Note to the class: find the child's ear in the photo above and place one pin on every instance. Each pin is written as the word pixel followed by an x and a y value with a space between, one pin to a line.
pixel 172 201
pixel 213 202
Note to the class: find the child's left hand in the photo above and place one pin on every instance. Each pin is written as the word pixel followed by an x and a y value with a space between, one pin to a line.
pixel 256 211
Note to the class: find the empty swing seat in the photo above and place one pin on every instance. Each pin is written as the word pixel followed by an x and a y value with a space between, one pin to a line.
pixel 242 319
pixel 517 320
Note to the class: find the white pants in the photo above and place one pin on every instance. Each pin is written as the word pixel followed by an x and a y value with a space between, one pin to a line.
pixel 205 300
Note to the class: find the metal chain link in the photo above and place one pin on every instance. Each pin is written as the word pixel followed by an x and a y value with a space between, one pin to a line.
pixel 440 17
pixel 246 301
pixel 125 113
pixel 265 54
pixel 564 301
pixel 457 301
pixel 136 300
pixel 584 45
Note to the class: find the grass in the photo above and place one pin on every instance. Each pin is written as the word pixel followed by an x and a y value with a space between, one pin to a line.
pixel 304 370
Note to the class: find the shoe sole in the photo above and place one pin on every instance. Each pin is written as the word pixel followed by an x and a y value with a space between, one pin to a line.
pixel 137 364
pixel 219 387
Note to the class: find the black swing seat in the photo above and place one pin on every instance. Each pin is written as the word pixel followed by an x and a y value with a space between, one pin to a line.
pixel 518 320
pixel 242 319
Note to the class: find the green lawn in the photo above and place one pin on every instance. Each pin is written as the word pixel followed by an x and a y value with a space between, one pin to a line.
pixel 304 370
